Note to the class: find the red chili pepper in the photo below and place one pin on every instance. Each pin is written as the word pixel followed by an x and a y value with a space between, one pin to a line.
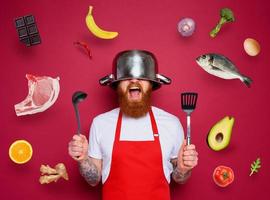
pixel 223 176
pixel 85 46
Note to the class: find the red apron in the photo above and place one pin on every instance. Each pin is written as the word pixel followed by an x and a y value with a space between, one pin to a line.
pixel 136 169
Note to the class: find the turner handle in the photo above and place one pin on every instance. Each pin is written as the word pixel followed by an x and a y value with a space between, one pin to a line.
pixel 188 130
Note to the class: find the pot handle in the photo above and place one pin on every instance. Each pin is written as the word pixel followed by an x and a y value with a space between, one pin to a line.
pixel 106 80
pixel 163 79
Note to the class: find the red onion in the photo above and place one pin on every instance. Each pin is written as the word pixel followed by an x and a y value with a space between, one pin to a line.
pixel 186 27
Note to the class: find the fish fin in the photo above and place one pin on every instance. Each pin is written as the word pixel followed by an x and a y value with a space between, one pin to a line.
pixel 247 81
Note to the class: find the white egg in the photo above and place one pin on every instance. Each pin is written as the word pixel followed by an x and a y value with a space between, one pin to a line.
pixel 252 47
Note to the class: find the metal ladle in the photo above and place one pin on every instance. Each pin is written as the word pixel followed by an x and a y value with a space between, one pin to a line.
pixel 77 97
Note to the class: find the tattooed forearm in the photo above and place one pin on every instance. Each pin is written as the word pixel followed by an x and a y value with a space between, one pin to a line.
pixel 178 176
pixel 90 172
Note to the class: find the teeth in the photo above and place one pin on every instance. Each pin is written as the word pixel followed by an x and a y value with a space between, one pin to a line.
pixel 134 88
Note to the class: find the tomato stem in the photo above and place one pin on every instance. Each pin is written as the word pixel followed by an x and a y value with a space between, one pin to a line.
pixel 225 175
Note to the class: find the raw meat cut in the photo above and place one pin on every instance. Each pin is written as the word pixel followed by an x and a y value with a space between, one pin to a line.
pixel 42 93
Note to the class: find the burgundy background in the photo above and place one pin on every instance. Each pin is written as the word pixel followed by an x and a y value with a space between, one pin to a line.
pixel 149 25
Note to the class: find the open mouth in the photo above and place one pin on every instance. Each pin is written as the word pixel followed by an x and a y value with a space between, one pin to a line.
pixel 134 92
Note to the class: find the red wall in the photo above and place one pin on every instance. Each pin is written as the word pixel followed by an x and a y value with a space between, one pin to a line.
pixel 147 25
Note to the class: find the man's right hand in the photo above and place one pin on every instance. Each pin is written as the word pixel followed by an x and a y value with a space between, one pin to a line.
pixel 78 147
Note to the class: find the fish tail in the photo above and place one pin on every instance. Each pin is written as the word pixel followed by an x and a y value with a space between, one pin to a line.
pixel 246 80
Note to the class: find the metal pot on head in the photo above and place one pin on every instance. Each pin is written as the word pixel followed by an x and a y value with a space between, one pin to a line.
pixel 139 64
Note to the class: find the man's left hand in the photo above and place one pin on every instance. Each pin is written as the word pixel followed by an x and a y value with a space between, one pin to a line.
pixel 187 158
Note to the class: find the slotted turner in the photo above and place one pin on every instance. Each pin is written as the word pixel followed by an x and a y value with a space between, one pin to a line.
pixel 188 102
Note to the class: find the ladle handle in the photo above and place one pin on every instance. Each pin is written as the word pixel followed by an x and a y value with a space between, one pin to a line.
pixel 78 119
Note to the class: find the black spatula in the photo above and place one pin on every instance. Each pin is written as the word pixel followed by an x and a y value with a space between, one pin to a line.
pixel 188 102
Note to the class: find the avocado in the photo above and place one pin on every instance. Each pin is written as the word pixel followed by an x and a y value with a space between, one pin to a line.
pixel 220 134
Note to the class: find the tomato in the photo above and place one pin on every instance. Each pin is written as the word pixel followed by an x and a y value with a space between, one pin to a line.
pixel 223 176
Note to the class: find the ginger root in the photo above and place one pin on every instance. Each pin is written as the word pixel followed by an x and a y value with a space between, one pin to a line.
pixel 53 174
pixel 49 178
pixel 47 170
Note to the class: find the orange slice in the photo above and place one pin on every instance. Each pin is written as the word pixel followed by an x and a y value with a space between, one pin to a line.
pixel 20 151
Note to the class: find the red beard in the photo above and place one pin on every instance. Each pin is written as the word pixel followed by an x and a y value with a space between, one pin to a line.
pixel 134 109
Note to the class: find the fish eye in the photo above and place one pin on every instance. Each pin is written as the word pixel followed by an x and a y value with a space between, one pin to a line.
pixel 203 56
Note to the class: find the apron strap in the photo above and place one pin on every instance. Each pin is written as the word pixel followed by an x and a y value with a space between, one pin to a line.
pixel 153 123
pixel 118 126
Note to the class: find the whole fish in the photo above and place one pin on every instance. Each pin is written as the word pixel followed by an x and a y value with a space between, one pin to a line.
pixel 222 67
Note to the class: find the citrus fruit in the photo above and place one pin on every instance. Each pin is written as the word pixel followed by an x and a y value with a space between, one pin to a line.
pixel 20 151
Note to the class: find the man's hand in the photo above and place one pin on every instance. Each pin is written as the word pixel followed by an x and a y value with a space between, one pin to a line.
pixel 186 160
pixel 78 147
pixel 90 168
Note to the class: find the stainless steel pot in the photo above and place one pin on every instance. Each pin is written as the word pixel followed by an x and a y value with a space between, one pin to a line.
pixel 138 64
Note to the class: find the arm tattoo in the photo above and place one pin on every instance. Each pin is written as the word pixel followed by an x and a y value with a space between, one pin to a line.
pixel 90 172
pixel 178 176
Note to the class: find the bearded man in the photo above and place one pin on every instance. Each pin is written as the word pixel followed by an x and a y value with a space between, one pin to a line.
pixel 134 149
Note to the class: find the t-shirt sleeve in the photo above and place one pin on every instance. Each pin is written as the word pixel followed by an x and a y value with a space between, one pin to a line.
pixel 179 138
pixel 94 149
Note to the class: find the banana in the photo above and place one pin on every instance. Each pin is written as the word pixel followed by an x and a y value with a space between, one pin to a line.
pixel 97 31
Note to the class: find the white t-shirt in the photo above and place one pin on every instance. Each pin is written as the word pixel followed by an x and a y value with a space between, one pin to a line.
pixel 102 132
